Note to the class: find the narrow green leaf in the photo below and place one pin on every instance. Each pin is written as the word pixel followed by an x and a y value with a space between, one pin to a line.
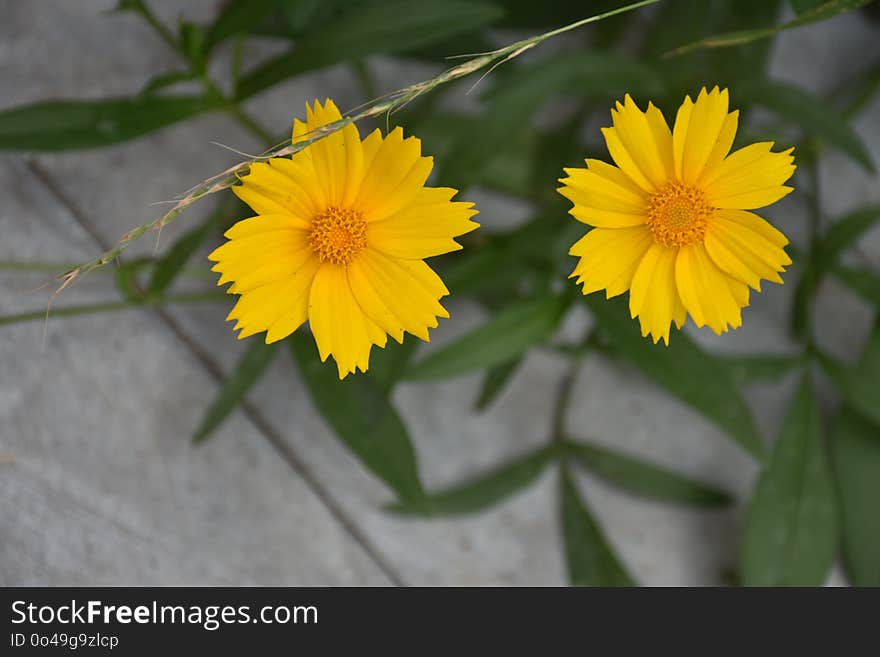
pixel 360 413
pixel 69 124
pixel 388 365
pixel 645 479
pixel 791 527
pixel 505 336
pixel 816 116
pixel 859 385
pixel 827 9
pixel 844 233
pixel 172 263
pixel 855 444
pixel 495 382
pixel 248 370
pixel 682 369
pixel 386 27
pixel 238 16
pixel 591 560
pixel 759 367
pixel 521 93
pixel 165 80
pixel 803 6
pixel 192 45
pixel 861 280
pixel 484 490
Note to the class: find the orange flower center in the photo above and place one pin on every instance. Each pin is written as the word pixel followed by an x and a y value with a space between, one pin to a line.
pixel 678 215
pixel 338 235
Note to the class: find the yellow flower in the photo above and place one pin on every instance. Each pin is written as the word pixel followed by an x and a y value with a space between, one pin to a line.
pixel 671 220
pixel 341 231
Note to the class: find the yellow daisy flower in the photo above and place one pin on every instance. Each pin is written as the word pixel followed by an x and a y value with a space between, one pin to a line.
pixel 671 220
pixel 341 231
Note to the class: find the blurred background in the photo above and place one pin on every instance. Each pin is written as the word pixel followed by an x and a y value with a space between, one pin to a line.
pixel 100 481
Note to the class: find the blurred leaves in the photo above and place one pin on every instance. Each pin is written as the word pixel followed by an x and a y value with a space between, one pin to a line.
pixel 484 490
pixel 760 367
pixel 861 280
pixel 641 478
pixel 495 382
pixel 361 415
pixel 855 444
pixel 378 27
pixel 791 526
pixel 860 384
pixel 844 233
pixel 814 115
pixel 247 372
pixel 519 94
pixel 591 560
pixel 823 11
pixel 505 336
pixel 68 124
pixel 237 16
pixel 682 369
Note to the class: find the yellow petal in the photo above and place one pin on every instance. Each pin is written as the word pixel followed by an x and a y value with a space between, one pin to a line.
pixel 270 188
pixel 625 161
pixel 749 178
pixel 276 307
pixel 603 196
pixel 264 223
pixel 340 327
pixel 609 258
pixel 647 142
pixel 398 295
pixel 705 290
pixel 424 228
pixel 680 133
pixel 736 240
pixel 722 145
pixel 653 297
pixel 393 176
pixel 706 120
pixel 238 258
pixel 338 157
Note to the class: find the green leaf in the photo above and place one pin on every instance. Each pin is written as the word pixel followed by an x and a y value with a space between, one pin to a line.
pixel 360 413
pixel 591 560
pixel 855 445
pixel 803 6
pixel 859 385
pixel 682 369
pixel 384 27
pixel 827 9
pixel 813 114
pixel 520 94
pixel 484 490
pixel 495 382
pixel 645 479
pixel 845 232
pixel 165 80
pixel 505 336
pixel 238 16
pixel 172 263
pixel 791 527
pixel 759 367
pixel 388 365
pixel 861 280
pixel 248 370
pixel 69 124
pixel 192 45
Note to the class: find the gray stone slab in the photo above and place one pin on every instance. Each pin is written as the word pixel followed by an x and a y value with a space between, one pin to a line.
pixel 101 484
